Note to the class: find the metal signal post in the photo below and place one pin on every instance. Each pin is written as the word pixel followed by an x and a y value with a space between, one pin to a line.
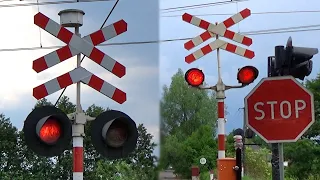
pixel 48 131
pixel 246 75
pixel 67 20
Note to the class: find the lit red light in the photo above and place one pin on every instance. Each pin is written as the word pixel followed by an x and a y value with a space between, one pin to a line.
pixel 247 74
pixel 50 132
pixel 194 77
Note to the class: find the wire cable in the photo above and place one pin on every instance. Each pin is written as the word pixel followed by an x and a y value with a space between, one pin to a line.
pixel 104 22
pixel 256 13
pixel 196 6
pixel 50 2
pixel 252 33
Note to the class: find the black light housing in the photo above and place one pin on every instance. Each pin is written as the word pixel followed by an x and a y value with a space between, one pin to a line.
pixel 293 60
pixel 114 134
pixel 47 131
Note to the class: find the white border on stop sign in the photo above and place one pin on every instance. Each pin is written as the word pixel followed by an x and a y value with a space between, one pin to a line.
pixel 274 79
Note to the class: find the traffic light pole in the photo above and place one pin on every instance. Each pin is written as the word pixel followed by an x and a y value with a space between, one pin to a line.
pixel 276 148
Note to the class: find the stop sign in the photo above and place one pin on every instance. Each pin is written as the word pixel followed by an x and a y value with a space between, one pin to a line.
pixel 279 109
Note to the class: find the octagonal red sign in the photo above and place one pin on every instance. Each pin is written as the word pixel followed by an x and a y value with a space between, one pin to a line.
pixel 279 109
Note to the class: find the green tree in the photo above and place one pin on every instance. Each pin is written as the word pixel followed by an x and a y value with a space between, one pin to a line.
pixel 187 153
pixel 19 162
pixel 257 164
pixel 142 159
pixel 118 170
pixel 314 86
pixel 9 162
pixel 303 157
pixel 183 110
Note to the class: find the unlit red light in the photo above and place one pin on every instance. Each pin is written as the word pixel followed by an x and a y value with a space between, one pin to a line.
pixel 194 77
pixel 50 131
pixel 116 137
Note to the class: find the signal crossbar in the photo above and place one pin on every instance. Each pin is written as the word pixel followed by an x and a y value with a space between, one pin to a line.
pixel 68 51
pixel 76 45
pixel 221 30
pixel 83 46
pixel 77 75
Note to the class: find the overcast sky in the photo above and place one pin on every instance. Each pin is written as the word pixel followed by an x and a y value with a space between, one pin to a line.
pixel 172 54
pixel 140 83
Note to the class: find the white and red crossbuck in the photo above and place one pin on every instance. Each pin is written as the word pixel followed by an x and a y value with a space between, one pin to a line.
pixel 77 75
pixel 76 45
pixel 221 30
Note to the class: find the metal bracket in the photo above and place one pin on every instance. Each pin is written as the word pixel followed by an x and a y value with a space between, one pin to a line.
pixel 80 118
pixel 73 117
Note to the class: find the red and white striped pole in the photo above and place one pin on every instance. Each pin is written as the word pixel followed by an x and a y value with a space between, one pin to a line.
pixel 77 153
pixel 78 139
pixel 67 19
pixel 221 129
pixel 195 172
pixel 220 96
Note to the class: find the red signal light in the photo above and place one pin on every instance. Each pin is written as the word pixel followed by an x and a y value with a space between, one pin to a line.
pixel 194 77
pixel 247 75
pixel 50 132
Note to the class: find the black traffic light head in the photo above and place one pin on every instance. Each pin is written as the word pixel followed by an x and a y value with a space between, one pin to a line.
pixel 114 134
pixel 293 60
pixel 47 131
pixel 246 75
pixel 249 133
pixel 238 131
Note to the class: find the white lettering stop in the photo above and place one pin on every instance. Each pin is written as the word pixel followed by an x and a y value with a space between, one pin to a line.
pixel 285 108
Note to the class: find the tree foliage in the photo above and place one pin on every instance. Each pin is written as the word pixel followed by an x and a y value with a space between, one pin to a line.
pixel 188 120
pixel 19 163
pixel 303 157
pixel 257 164
pixel 314 86
pixel 184 109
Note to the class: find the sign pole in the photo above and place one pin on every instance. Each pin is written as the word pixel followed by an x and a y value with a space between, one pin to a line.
pixel 275 161
pixel 281 168
pixel 277 171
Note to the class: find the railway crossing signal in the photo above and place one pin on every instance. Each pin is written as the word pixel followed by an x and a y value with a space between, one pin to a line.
pixel 221 30
pixel 247 75
pixel 79 74
pixel 114 134
pixel 194 77
pixel 48 131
